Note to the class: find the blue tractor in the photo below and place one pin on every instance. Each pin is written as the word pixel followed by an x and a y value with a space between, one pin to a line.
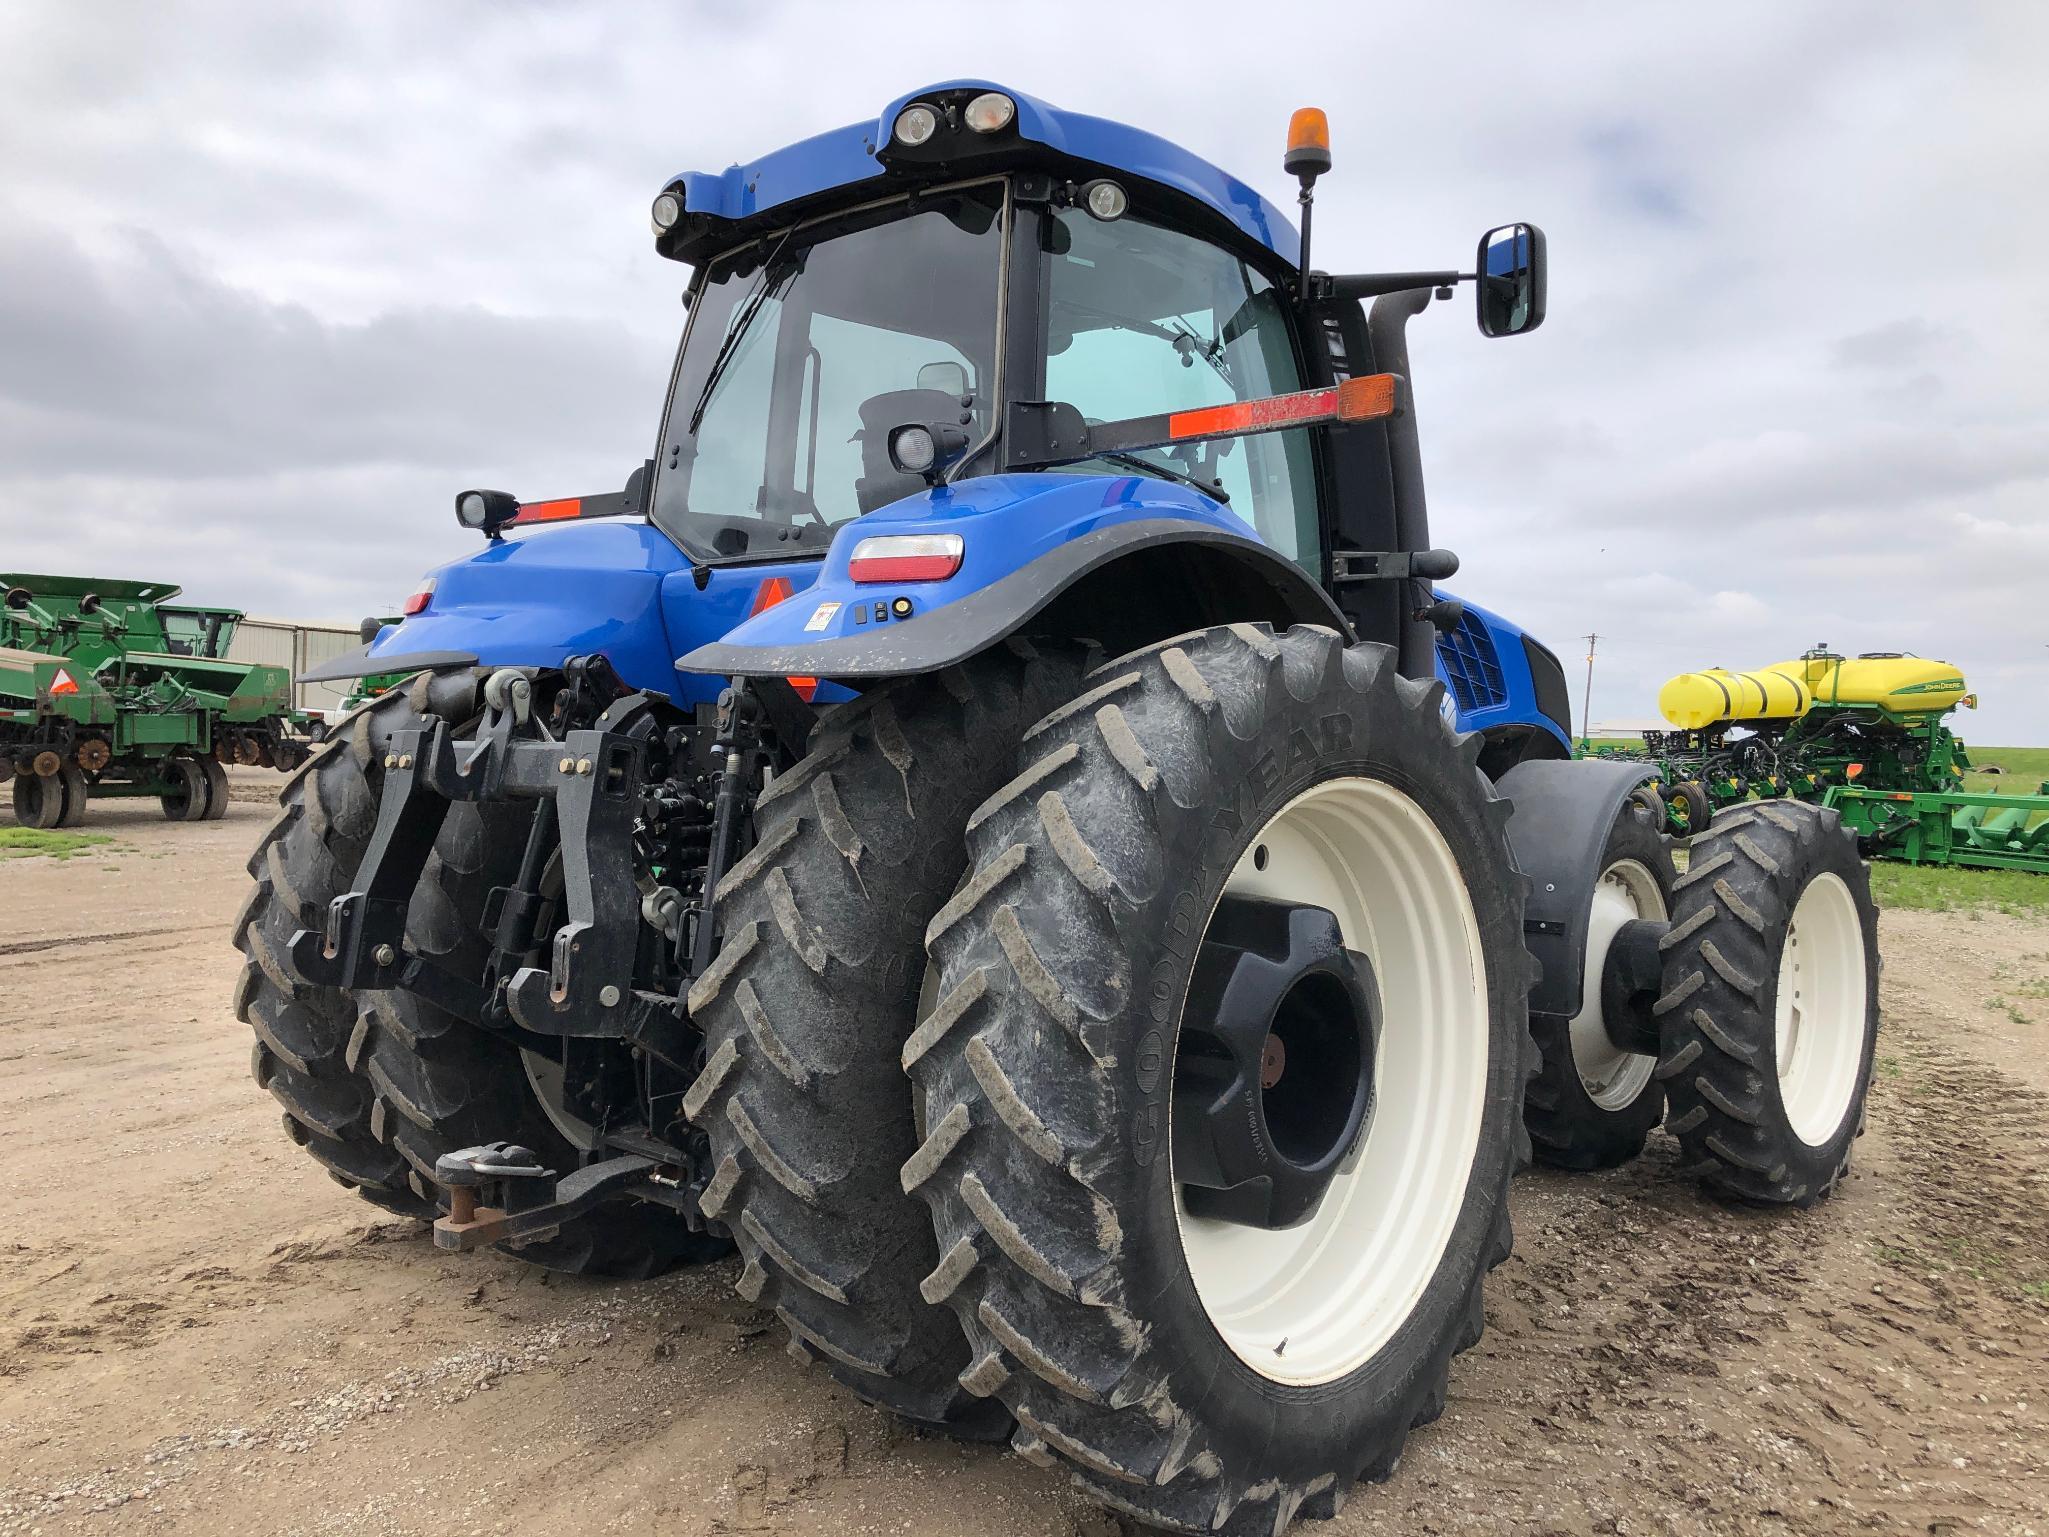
pixel 979 825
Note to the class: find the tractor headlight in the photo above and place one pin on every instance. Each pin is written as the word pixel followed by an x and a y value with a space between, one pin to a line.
pixel 667 210
pixel 1105 200
pixel 915 124
pixel 990 112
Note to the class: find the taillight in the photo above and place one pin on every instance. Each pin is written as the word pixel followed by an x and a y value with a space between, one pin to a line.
pixel 418 602
pixel 906 558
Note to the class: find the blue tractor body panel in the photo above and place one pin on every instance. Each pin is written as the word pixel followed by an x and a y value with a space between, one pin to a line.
pixel 626 590
pixel 1005 522
pixel 1485 663
pixel 846 157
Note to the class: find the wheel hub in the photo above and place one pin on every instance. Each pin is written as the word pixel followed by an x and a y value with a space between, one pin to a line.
pixel 1273 1083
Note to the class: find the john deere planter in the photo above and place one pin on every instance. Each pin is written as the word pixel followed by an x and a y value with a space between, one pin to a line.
pixel 1865 736
pixel 109 689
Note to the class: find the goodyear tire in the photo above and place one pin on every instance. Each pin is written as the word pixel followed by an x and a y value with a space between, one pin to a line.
pixel 1198 1374
pixel 806 1010
pixel 38 801
pixel 1770 1004
pixel 376 1087
pixel 1592 1104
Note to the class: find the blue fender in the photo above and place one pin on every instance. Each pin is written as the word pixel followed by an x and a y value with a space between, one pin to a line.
pixel 1025 539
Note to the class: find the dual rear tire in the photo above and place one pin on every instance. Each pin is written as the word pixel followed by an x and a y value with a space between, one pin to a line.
pixel 1201 1373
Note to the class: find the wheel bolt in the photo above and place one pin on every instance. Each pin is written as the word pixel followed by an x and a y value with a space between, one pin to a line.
pixel 384 955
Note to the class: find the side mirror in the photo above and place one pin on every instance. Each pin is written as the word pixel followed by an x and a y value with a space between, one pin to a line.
pixel 1508 277
pixel 948 378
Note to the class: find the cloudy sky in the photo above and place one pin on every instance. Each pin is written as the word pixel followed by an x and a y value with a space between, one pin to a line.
pixel 276 280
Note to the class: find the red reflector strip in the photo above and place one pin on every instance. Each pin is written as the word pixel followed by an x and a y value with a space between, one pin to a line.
pixel 805 687
pixel 418 602
pixel 770 593
pixel 549 512
pixel 1356 400
pixel 903 568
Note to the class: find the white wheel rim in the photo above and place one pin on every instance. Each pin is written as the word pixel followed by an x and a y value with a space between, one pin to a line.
pixel 1612 1077
pixel 1820 1012
pixel 1311 1303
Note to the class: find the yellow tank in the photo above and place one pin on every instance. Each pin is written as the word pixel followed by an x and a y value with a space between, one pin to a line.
pixel 1695 700
pixel 1904 685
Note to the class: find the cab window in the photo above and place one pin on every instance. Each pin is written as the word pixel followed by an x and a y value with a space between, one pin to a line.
pixel 1143 319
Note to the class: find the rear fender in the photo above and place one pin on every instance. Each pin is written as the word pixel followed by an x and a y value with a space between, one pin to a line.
pixel 1123 560
pixel 1559 830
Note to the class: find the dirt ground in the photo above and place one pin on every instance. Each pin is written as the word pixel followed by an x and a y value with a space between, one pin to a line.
pixel 200 1332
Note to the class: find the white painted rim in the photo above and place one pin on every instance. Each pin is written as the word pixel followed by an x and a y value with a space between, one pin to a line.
pixel 1311 1303
pixel 1820 1010
pixel 1612 1077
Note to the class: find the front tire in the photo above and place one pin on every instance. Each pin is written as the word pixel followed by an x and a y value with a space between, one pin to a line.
pixel 1770 1004
pixel 1201 1374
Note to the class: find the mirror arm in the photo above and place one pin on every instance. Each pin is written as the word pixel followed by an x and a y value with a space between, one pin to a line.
pixel 1372 285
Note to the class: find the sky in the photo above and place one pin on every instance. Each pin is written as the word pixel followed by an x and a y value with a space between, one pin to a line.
pixel 276 280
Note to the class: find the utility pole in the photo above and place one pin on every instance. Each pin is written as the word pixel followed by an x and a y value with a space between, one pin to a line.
pixel 1586 699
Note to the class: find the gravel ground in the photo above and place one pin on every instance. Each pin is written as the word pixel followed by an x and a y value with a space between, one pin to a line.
pixel 200 1332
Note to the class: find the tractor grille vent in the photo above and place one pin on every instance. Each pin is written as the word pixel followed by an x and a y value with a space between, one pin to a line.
pixel 1466 657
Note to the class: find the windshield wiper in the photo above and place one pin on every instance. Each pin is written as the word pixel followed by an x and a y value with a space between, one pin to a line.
pixel 1207 487
pixel 763 287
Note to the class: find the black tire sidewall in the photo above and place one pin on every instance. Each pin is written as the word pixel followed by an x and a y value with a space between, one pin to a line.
pixel 1304 1431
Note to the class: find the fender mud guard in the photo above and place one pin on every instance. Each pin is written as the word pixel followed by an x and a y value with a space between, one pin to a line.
pixel 1559 830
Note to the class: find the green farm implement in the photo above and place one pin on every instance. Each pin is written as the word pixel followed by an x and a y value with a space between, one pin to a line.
pixel 1864 736
pixel 107 688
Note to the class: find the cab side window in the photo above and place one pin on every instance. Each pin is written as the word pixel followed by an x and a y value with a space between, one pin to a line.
pixel 1141 319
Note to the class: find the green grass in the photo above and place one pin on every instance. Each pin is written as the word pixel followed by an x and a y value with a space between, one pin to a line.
pixel 30 842
pixel 2024 769
pixel 1955 889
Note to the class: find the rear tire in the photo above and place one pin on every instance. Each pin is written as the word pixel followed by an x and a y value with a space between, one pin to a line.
pixel 1770 1004
pixel 1591 1105
pixel 376 1087
pixel 805 1013
pixel 1147 1351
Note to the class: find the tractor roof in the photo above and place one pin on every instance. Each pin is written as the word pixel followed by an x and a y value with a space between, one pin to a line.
pixel 79 586
pixel 721 207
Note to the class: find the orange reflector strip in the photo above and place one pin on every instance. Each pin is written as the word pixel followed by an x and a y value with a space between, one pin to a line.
pixel 549 512
pixel 1308 128
pixel 1356 400
pixel 805 687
